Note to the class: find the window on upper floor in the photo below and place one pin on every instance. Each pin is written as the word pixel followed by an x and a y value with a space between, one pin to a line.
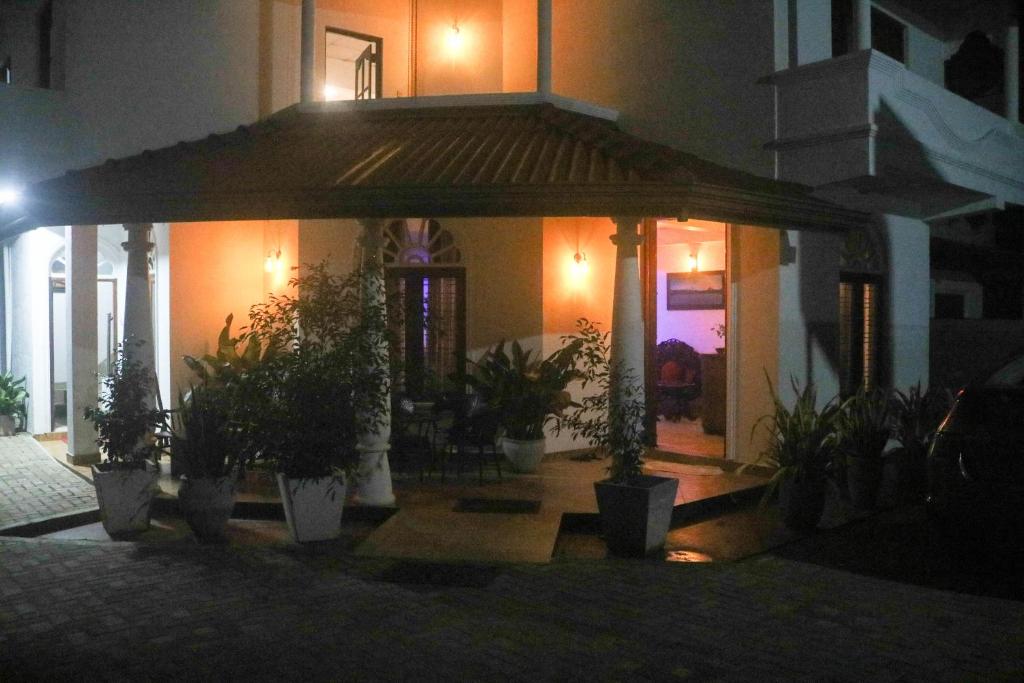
pixel 888 34
pixel 353 65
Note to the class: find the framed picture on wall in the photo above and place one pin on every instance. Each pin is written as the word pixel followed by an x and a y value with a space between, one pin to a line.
pixel 697 291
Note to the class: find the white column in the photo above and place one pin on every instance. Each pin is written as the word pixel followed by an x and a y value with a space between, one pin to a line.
pixel 544 46
pixel 373 485
pixel 862 24
pixel 138 306
pixel 627 352
pixel 1011 68
pixel 80 312
pixel 307 75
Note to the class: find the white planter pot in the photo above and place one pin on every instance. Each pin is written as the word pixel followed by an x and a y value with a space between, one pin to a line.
pixel 312 507
pixel 636 514
pixel 525 456
pixel 125 497
pixel 206 504
pixel 7 425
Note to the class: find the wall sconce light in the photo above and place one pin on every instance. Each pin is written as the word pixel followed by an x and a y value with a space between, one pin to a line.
pixel 692 262
pixel 273 262
pixel 454 40
pixel 580 265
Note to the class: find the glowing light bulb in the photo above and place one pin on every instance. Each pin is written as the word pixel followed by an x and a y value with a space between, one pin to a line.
pixel 580 265
pixel 273 261
pixel 9 196
pixel 454 41
pixel 693 263
pixel 330 93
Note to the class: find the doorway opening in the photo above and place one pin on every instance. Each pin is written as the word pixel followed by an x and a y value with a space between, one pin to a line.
pixel 685 268
pixel 106 333
pixel 353 65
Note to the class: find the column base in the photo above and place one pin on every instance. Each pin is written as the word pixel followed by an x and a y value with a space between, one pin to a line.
pixel 82 459
pixel 373 483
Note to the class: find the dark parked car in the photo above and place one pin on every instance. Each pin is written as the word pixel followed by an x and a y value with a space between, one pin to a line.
pixel 976 462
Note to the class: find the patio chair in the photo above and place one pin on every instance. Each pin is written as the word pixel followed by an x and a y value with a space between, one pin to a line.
pixel 413 435
pixel 474 433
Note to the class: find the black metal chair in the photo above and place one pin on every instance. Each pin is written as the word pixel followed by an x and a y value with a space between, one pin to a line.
pixel 474 432
pixel 413 435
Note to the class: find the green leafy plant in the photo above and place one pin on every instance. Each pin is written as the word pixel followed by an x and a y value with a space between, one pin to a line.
pixel 205 439
pixel 124 422
pixel 12 396
pixel 611 422
pixel 801 439
pixel 917 415
pixel 307 404
pixel 232 358
pixel 864 424
pixel 525 389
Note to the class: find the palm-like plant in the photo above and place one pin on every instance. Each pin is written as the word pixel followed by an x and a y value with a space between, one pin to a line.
pixel 801 439
pixel 205 439
pixel 864 424
pixel 231 359
pixel 525 389
pixel 12 396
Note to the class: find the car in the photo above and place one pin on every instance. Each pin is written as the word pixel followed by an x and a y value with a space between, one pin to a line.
pixel 976 461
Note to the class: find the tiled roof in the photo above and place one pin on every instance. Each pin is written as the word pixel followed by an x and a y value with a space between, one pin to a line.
pixel 487 160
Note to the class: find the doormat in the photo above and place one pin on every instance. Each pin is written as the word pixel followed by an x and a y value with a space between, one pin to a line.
pixel 507 506
pixel 427 575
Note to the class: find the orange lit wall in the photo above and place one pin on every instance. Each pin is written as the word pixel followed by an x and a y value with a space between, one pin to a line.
pixel 385 19
pixel 519 45
pixel 218 268
pixel 476 67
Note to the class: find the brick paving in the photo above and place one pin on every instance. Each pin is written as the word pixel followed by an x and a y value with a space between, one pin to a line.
pixel 116 611
pixel 34 487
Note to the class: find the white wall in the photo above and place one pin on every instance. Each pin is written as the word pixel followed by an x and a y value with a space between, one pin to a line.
pixel 909 299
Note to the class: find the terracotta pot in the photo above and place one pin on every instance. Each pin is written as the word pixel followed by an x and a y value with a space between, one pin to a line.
pixel 525 456
pixel 312 507
pixel 206 504
pixel 636 514
pixel 125 497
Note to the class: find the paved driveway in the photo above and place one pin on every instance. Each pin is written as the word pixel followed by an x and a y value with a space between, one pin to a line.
pixel 34 487
pixel 73 609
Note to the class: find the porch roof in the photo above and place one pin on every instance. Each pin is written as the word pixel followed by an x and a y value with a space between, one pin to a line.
pixel 476 160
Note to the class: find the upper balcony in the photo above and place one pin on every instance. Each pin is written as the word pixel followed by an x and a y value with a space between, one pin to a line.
pixel 881 126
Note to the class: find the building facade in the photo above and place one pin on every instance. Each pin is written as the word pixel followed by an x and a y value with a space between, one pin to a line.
pixel 852 98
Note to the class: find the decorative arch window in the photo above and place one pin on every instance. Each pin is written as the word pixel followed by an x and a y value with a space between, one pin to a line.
pixel 419 242
pixel 428 286
pixel 59 266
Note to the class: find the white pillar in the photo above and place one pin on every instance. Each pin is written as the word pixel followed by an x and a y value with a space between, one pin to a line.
pixel 862 24
pixel 307 76
pixel 80 312
pixel 1011 69
pixel 138 306
pixel 627 352
pixel 544 46
pixel 373 485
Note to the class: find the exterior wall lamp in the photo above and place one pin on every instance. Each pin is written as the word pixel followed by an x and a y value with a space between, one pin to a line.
pixel 454 40
pixel 273 262
pixel 693 263
pixel 9 196
pixel 580 265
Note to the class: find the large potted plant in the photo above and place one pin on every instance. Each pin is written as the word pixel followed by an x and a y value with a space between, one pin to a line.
pixel 310 402
pixel 12 403
pixel 526 391
pixel 635 509
pixel 801 444
pixel 125 425
pixel 917 415
pixel 209 447
pixel 863 427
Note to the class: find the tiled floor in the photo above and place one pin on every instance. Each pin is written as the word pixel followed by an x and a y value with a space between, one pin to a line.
pixel 687 436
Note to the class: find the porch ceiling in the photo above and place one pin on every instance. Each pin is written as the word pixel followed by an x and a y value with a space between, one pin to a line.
pixel 483 160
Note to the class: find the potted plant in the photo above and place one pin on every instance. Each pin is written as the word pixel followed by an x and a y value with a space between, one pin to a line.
pixel 208 446
pixel 125 425
pixel 12 403
pixel 635 509
pixel 801 444
pixel 863 428
pixel 917 415
pixel 310 403
pixel 526 391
